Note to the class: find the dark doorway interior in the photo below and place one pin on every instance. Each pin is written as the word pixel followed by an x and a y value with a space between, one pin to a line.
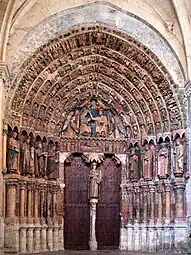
pixel 108 208
pixel 77 212
pixel 77 209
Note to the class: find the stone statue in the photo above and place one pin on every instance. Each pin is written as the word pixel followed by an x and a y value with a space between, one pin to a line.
pixel 27 158
pixel 178 158
pixel 40 161
pixel 147 160
pixel 13 154
pixel 133 164
pixel 163 162
pixel 52 163
pixel 95 180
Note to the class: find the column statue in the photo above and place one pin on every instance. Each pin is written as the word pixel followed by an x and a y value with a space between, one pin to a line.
pixel 27 157
pixel 163 161
pixel 52 163
pixel 95 180
pixel 133 164
pixel 40 161
pixel 13 154
pixel 178 158
pixel 147 159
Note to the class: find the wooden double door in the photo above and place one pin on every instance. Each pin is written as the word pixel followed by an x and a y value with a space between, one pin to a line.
pixel 77 208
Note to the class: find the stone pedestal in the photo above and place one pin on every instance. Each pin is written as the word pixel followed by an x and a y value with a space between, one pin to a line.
pixel 11 235
pixel 30 239
pixel 136 232
pixel 55 239
pixel 43 239
pixel 50 238
pixel 123 243
pixel 130 237
pixel 152 238
pixel 23 239
pixel 37 239
pixel 143 238
pixel 92 241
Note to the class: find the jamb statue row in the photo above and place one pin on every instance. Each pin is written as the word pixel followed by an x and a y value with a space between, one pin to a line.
pixel 152 161
pixel 39 159
pixel 31 158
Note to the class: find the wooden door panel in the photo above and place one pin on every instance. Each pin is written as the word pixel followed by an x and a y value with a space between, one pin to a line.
pixel 77 212
pixel 108 208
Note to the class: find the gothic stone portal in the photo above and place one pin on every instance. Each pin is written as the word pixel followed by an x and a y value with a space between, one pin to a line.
pixel 77 206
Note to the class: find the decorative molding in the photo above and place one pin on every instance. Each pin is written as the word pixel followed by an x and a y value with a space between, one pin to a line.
pixel 4 71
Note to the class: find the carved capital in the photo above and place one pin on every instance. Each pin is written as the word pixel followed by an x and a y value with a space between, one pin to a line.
pixel 63 156
pixel 93 157
pixel 11 183
pixel 22 184
pixel 30 186
pixel 122 158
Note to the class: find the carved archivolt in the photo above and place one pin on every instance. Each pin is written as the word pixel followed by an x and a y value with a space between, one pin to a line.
pixel 102 63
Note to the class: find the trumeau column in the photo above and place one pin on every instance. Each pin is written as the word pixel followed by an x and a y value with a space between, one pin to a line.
pixel 4 76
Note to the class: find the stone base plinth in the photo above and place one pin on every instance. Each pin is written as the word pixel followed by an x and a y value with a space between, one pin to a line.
pixel 93 245
pixel 160 238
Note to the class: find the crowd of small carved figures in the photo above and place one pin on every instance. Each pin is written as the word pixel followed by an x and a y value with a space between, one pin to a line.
pixel 96 62
pixel 36 157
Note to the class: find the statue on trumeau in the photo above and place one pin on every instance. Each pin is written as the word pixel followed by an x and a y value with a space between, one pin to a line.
pixel 95 180
pixel 13 154
pixel 178 158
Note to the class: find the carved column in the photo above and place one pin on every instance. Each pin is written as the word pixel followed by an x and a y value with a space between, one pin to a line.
pixel 152 230
pixel 22 200
pixel 123 243
pixel 95 180
pixel 42 219
pixel 30 188
pixel 179 189
pixel 152 202
pixel 168 201
pixel 30 228
pixel 36 199
pixel 11 197
pixel 5 131
pixel 4 76
pixel 92 241
pixel 160 205
pixel 137 202
pixel 11 241
pixel 23 227
pixel 145 203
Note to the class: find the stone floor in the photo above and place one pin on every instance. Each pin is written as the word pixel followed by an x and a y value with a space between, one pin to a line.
pixel 108 252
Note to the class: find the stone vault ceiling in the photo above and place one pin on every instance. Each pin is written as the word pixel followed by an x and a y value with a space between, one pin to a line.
pixel 21 16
